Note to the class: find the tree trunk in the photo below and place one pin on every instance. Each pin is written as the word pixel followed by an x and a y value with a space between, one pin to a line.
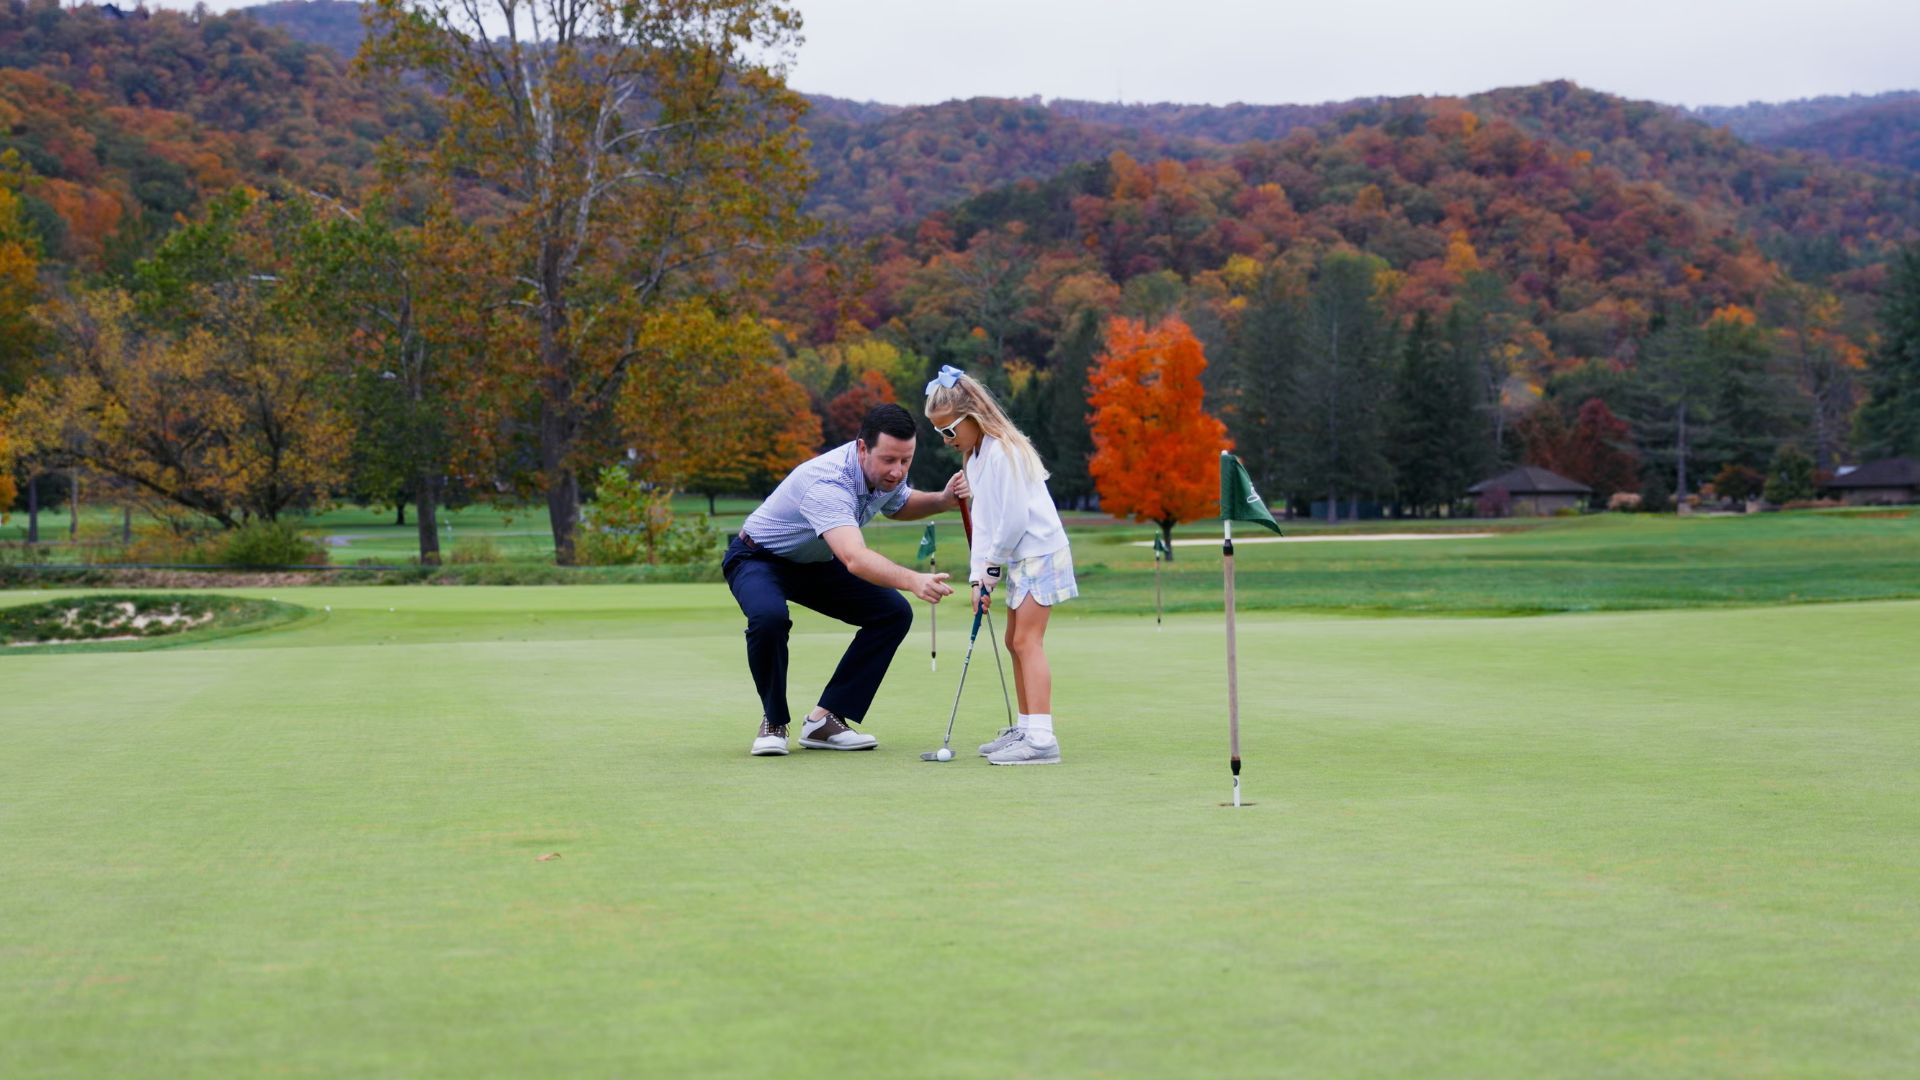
pixel 400 509
pixel 73 507
pixel 33 510
pixel 559 422
pixel 427 519
pixel 1166 536
pixel 1680 456
pixel 711 512
pixel 1333 507
pixel 126 524
pixel 563 487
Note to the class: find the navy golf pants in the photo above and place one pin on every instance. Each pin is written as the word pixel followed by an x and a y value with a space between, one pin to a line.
pixel 764 583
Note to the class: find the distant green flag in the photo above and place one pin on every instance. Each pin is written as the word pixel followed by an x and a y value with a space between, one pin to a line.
pixel 1238 500
pixel 926 543
pixel 1160 547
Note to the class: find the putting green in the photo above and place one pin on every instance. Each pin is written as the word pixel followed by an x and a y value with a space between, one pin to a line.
pixel 1680 842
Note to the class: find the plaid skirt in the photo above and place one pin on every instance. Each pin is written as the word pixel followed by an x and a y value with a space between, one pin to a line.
pixel 1047 578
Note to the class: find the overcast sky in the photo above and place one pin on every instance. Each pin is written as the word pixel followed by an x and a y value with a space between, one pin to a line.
pixel 1688 52
pixel 1685 52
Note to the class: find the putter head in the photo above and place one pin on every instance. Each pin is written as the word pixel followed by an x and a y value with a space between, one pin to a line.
pixel 934 755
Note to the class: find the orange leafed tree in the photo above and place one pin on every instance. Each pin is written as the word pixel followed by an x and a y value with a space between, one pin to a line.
pixel 7 490
pixel 1156 450
pixel 19 278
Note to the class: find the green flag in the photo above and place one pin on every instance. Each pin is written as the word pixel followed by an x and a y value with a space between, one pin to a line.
pixel 1238 500
pixel 1160 547
pixel 926 543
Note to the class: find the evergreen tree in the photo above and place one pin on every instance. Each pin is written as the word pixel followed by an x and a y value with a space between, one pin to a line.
pixel 1680 377
pixel 1340 442
pixel 1068 441
pixel 1790 476
pixel 1751 403
pixel 1889 424
pixel 1260 375
pixel 1437 424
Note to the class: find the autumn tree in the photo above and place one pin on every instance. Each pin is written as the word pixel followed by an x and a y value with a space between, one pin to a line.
pixel 226 419
pixel 846 408
pixel 397 303
pixel 1826 362
pixel 7 490
pixel 639 153
pixel 1156 449
pixel 722 418
pixel 208 385
pixel 1596 449
pixel 19 279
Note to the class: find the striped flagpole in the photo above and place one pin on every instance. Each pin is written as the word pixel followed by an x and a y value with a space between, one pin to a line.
pixel 1233 666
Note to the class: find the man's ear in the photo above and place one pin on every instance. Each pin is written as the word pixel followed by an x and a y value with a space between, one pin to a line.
pixel 859 446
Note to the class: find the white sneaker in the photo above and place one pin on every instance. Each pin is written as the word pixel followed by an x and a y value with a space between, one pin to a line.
pixel 1007 737
pixel 772 740
pixel 828 733
pixel 1027 752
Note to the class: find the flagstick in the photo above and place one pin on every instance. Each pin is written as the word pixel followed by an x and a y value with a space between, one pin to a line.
pixel 933 619
pixel 1233 666
pixel 1156 588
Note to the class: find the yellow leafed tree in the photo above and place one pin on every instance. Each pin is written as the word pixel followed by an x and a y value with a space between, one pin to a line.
pixel 230 425
pixel 712 413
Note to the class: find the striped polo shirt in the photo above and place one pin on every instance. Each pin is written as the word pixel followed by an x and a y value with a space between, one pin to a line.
pixel 825 493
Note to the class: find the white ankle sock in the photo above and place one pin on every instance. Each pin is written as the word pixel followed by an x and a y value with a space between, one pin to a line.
pixel 1039 728
pixel 1022 723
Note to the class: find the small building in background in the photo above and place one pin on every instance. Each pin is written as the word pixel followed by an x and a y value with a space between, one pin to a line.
pixel 1530 491
pixel 1879 483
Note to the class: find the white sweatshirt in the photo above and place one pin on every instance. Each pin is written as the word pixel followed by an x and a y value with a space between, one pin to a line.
pixel 1013 516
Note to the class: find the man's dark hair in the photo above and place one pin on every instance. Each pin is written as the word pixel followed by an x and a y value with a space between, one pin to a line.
pixel 888 419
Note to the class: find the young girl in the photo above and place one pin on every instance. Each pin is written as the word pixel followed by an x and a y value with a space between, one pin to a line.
pixel 1018 545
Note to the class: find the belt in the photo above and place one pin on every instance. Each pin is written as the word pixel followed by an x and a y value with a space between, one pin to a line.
pixel 748 540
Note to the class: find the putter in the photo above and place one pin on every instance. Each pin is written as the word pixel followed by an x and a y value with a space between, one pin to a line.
pixel 945 753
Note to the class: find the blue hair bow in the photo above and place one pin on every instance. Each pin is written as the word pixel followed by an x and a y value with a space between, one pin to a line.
pixel 947 377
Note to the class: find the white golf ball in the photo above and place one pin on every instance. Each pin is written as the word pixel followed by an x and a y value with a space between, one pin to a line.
pixel 329 607
pixel 943 754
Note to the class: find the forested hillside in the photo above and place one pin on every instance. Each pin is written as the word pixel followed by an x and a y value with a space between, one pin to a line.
pixel 126 121
pixel 1888 133
pixel 1766 121
pixel 1395 295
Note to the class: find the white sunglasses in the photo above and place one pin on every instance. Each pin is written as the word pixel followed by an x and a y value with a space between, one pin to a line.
pixel 951 431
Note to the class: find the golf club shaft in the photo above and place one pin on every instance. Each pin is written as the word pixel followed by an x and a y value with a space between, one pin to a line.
pixel 1005 698
pixel 965 662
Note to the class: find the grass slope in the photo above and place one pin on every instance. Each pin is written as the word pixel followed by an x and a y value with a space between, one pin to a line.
pixel 1609 844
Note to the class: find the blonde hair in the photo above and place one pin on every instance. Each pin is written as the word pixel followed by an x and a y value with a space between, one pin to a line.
pixel 967 397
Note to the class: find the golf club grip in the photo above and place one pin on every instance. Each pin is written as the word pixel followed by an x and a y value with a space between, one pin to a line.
pixel 966 519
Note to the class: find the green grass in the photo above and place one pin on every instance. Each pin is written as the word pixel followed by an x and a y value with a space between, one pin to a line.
pixel 1606 562
pixel 1667 843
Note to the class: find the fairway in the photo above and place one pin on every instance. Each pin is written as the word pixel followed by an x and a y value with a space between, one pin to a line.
pixel 1608 844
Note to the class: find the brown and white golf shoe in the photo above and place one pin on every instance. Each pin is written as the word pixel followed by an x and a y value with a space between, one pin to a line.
pixel 829 733
pixel 772 740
